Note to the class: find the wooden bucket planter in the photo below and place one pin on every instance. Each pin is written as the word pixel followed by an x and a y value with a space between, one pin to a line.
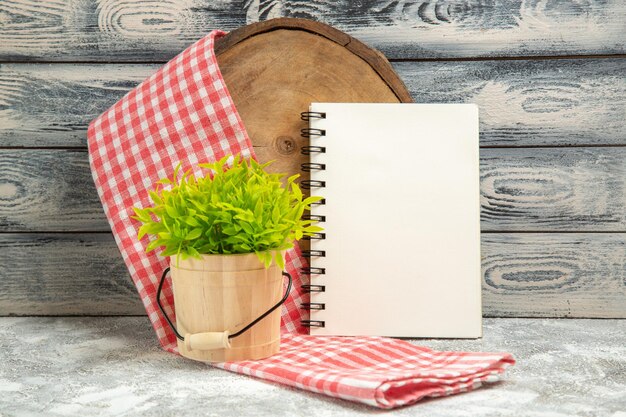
pixel 218 296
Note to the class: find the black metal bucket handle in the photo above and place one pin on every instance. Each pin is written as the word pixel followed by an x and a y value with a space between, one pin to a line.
pixel 230 336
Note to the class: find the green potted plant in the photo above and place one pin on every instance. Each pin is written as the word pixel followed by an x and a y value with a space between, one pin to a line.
pixel 225 233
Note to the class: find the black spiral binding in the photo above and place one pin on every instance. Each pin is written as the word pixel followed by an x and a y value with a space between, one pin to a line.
pixel 308 150
pixel 310 253
pixel 311 270
pixel 308 184
pixel 313 323
pixel 315 236
pixel 315 217
pixel 311 133
pixel 313 288
pixel 308 167
pixel 308 115
pixel 313 306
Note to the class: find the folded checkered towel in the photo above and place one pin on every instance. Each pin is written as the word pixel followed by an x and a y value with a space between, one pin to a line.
pixel 184 113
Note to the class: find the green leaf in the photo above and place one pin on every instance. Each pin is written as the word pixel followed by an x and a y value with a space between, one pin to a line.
pixel 153 245
pixel 193 252
pixel 229 230
pixel 312 199
pixel 246 216
pixel 194 234
pixel 156 198
pixel 266 258
pixel 142 214
pixel 171 210
pixel 276 215
pixel 142 231
pixel 280 261
pixel 258 210
pixel 296 192
pixel 246 227
pixel 192 221
pixel 149 228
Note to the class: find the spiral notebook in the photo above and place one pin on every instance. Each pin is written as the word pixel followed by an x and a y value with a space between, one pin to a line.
pixel 400 251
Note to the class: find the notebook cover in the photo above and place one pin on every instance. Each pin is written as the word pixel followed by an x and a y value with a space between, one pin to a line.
pixel 402 220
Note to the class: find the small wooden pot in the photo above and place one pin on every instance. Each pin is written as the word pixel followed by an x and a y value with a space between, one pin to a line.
pixel 224 293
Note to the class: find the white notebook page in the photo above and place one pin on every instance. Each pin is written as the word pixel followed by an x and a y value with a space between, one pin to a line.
pixel 402 220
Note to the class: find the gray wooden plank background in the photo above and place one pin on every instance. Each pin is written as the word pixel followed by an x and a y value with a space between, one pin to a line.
pixel 526 274
pixel 122 30
pixel 522 102
pixel 554 275
pixel 66 274
pixel 523 189
pixel 549 78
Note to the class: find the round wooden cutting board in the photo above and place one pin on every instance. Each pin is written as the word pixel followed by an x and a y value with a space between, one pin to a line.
pixel 276 68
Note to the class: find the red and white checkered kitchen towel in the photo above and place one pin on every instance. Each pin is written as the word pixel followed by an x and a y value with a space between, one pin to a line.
pixel 184 113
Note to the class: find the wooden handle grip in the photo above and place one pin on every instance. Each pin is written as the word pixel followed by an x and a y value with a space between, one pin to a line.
pixel 207 341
